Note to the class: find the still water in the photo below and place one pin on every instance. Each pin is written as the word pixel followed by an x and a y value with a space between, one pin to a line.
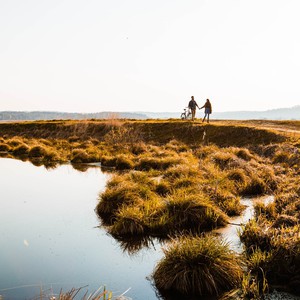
pixel 49 238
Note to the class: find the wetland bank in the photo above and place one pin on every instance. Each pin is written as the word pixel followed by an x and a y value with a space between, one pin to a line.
pixel 175 182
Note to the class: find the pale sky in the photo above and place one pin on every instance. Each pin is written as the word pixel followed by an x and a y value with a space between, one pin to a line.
pixel 148 55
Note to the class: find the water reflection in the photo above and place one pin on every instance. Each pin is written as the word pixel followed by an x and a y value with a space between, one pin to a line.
pixel 81 167
pixel 133 245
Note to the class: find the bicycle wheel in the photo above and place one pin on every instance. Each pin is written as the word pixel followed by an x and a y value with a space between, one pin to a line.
pixel 183 116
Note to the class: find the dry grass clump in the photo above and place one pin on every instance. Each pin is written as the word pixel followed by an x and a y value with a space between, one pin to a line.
pixel 124 162
pixel 16 141
pixel 156 163
pixel 80 156
pixel 267 151
pixel 122 193
pixel 108 161
pixel 285 154
pixel 279 242
pixel 176 146
pixel 255 187
pixel 130 221
pixel 238 176
pixel 43 155
pixel 45 142
pixel 285 221
pixel 138 148
pixel 163 188
pixel 184 182
pixel 261 180
pixel 21 150
pixel 281 157
pixel 197 267
pixel 255 235
pixel 225 199
pixel 232 206
pixel 267 211
pixel 138 220
pixel 4 147
pixel 224 160
pixel 254 284
pixel 37 151
pixel 244 154
pixel 287 200
pixel 272 240
pixel 192 212
pixel 186 170
pixel 206 151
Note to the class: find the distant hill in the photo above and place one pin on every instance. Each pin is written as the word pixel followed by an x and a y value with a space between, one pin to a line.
pixel 50 115
pixel 292 113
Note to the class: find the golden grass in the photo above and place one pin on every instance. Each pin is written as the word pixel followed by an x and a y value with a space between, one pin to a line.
pixel 197 267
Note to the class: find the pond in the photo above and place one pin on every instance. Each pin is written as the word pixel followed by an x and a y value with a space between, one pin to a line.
pixel 50 239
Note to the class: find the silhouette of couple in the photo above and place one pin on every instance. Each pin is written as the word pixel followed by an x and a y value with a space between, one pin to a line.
pixel 207 108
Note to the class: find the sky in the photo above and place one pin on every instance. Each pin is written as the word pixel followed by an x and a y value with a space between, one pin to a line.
pixel 148 55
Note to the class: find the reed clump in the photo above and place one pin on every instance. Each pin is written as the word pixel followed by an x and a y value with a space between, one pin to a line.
pixel 268 211
pixel 4 147
pixel 156 163
pixel 15 141
pixel 192 212
pixel 273 249
pixel 37 151
pixel 130 189
pixel 124 162
pixel 80 156
pixel 21 150
pixel 197 267
pixel 244 154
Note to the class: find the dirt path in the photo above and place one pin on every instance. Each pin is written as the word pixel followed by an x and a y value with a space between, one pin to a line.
pixel 286 127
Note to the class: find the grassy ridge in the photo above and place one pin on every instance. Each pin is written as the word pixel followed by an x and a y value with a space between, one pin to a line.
pixel 148 131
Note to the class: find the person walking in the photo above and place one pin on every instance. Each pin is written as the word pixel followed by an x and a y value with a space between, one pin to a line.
pixel 207 110
pixel 192 106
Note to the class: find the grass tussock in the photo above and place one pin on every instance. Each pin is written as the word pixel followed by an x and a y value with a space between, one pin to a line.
pixel 4 147
pixel 37 151
pixel 193 212
pixel 273 251
pixel 21 150
pixel 84 156
pixel 197 267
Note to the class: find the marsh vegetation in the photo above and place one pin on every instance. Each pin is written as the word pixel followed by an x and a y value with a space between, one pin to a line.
pixel 176 182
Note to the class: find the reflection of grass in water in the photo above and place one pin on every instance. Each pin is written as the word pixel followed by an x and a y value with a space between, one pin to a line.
pixel 133 244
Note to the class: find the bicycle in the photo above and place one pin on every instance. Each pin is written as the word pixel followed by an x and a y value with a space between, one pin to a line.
pixel 187 114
